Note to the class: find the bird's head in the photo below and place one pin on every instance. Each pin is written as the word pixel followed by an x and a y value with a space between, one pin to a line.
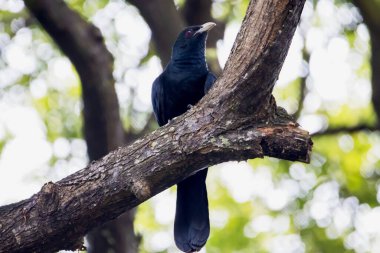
pixel 191 41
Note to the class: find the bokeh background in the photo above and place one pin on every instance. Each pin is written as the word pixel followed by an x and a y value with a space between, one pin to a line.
pixel 262 205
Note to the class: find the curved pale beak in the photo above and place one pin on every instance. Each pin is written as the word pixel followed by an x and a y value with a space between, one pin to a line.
pixel 205 27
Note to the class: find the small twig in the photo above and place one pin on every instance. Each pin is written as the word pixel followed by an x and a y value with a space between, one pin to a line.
pixel 345 129
pixel 303 90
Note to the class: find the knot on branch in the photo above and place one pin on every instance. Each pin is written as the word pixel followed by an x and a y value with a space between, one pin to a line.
pixel 140 189
pixel 281 117
pixel 48 199
pixel 297 149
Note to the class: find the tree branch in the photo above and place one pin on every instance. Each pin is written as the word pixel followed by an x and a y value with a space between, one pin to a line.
pixel 164 22
pixel 149 126
pixel 83 44
pixel 303 90
pixel 345 129
pixel 199 12
pixel 370 12
pixel 237 120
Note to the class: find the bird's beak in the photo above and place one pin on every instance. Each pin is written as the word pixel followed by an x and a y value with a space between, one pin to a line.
pixel 205 27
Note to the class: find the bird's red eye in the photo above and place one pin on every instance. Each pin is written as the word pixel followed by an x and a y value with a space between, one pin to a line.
pixel 188 34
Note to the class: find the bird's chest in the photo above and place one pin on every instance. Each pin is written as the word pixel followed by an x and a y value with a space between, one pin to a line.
pixel 182 92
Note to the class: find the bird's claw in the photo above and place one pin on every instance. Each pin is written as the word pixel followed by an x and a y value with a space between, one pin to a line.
pixel 189 106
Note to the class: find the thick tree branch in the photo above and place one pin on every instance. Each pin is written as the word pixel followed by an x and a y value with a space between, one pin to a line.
pixel 129 176
pixel 84 45
pixel 237 120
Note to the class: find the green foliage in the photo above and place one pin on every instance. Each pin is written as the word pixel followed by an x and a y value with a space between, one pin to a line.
pixel 233 230
pixel 317 241
pixel 87 7
pixel 56 110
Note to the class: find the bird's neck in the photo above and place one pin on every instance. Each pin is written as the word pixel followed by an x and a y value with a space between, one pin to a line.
pixel 189 63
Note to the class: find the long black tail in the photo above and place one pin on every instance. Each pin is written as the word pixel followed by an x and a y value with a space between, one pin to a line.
pixel 192 225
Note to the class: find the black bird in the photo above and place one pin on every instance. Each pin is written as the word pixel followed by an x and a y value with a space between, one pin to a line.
pixel 185 80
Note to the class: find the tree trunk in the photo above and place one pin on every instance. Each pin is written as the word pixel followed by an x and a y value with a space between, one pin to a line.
pixel 83 44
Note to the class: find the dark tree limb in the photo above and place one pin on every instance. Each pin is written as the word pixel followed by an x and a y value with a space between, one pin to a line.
pixel 164 22
pixel 149 125
pixel 83 43
pixel 346 129
pixel 375 66
pixel 370 10
pixel 199 12
pixel 237 120
pixel 303 89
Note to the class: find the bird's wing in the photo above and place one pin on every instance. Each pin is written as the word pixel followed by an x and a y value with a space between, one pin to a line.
pixel 210 80
pixel 158 103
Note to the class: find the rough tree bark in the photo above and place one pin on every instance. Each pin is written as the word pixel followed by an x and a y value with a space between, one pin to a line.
pixel 237 120
pixel 83 44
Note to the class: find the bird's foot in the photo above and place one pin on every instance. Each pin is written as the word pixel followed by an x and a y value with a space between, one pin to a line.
pixel 189 106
